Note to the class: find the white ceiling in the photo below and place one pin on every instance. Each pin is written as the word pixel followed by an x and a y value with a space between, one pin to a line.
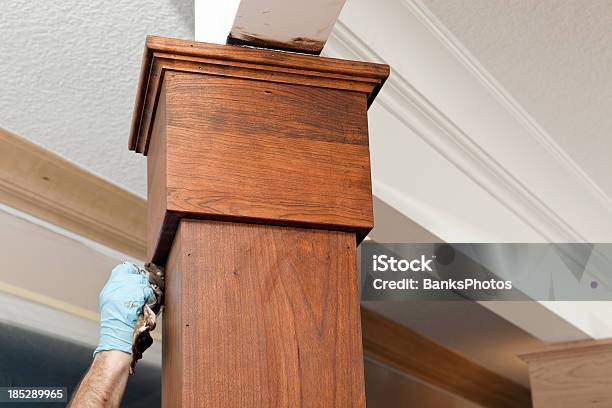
pixel 554 58
pixel 70 71
pixel 68 76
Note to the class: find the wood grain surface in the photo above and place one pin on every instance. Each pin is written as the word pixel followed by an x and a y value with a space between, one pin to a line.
pixel 417 356
pixel 163 54
pixel 261 316
pixel 577 374
pixel 232 149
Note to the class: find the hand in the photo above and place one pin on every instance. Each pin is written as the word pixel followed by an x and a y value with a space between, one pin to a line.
pixel 121 302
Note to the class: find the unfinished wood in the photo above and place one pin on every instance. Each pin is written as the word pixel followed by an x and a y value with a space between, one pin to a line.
pixel 421 358
pixel 568 349
pixel 166 54
pixel 577 374
pixel 229 148
pixel 261 316
pixel 46 186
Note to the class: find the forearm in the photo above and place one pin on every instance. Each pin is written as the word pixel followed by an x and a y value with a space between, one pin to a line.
pixel 104 383
pixel 121 303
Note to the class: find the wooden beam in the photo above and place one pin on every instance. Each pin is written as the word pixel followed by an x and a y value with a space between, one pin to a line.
pixel 417 356
pixel 168 54
pixel 46 186
pixel 574 374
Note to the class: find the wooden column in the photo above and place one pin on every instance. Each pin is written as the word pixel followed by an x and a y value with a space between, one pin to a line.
pixel 259 191
pixel 577 374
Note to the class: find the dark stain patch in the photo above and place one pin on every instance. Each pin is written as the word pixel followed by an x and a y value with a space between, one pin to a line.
pixel 296 44
pixel 307 43
pixel 45 178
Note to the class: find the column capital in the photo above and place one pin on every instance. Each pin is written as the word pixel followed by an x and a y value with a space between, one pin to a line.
pixel 250 135
pixel 168 54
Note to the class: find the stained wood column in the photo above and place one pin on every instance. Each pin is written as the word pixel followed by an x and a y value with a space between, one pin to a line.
pixel 569 375
pixel 259 191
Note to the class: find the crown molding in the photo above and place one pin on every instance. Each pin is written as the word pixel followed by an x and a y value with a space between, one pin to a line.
pixel 418 114
pixel 454 152
pixel 504 98
pixel 471 122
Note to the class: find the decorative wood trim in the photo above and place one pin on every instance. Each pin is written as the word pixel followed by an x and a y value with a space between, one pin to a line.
pixel 163 54
pixel 409 352
pixel 568 349
pixel 575 374
pixel 208 117
pixel 46 186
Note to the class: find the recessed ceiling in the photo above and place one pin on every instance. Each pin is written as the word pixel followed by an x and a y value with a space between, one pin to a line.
pixel 554 58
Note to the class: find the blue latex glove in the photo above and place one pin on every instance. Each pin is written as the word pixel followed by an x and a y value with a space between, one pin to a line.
pixel 121 302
